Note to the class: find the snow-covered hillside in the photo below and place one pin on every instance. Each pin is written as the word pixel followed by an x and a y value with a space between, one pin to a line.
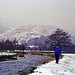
pixel 4 28
pixel 24 33
pixel 66 66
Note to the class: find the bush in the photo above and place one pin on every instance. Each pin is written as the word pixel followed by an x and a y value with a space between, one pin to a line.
pixel 20 54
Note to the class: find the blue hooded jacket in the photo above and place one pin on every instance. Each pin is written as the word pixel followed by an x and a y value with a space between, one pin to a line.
pixel 57 49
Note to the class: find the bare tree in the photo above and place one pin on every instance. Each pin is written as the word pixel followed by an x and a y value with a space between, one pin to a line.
pixel 61 37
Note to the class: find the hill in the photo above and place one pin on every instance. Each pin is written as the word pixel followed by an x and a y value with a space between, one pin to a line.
pixel 24 33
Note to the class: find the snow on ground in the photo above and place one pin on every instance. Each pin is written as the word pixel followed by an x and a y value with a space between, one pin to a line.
pixel 5 53
pixel 66 66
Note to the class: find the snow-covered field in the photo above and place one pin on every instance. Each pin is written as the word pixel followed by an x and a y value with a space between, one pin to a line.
pixel 66 66
pixel 5 53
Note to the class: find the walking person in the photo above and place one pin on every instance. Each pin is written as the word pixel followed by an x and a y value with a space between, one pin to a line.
pixel 57 50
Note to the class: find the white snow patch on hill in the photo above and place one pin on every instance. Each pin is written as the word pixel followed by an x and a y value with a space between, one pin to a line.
pixel 66 66
pixel 24 33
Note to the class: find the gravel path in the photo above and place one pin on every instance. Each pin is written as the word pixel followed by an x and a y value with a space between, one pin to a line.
pixel 14 66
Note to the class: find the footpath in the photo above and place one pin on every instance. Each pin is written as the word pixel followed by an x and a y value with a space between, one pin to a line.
pixel 66 66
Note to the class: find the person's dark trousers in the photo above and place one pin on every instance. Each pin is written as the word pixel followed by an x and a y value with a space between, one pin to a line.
pixel 57 58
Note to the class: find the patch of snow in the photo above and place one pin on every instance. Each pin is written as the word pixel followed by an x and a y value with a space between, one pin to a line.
pixel 66 66
pixel 5 53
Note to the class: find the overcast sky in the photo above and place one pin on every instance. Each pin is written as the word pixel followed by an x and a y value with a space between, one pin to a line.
pixel 60 13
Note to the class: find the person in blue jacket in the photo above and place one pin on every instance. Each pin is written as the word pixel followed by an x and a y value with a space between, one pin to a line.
pixel 57 50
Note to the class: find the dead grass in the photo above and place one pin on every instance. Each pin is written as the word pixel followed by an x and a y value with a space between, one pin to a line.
pixel 43 61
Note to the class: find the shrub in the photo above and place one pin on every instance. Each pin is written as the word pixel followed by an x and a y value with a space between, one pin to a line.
pixel 20 55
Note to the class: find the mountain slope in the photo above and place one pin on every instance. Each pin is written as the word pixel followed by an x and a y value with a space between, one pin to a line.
pixel 24 33
pixel 4 28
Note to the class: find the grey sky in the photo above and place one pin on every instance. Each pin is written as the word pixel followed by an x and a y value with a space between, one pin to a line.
pixel 60 13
